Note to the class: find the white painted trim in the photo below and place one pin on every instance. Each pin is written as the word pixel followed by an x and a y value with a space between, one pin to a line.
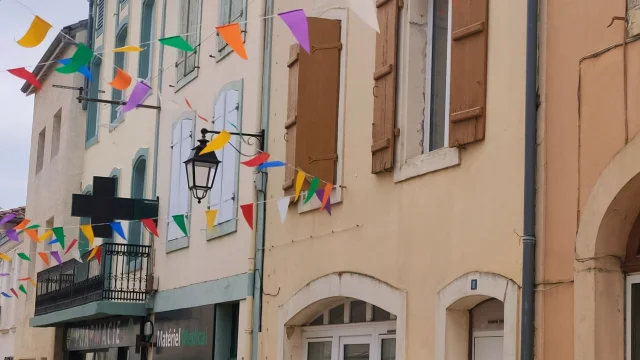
pixel 427 163
pixel 488 285
pixel 631 279
pixel 347 285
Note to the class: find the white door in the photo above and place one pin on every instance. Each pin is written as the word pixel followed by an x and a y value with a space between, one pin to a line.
pixel 355 348
pixel 487 345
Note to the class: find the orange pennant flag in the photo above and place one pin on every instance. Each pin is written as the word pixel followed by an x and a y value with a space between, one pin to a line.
pixel 121 81
pixel 232 35
pixel 22 225
pixel 33 234
pixel 326 196
pixel 45 257
pixel 93 253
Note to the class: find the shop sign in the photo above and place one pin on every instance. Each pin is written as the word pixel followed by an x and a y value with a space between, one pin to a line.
pixel 184 333
pixel 113 333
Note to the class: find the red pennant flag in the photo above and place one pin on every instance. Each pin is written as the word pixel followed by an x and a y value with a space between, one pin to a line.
pixel 13 291
pixel 151 226
pixel 25 279
pixel 26 75
pixel 73 243
pixel 247 212
pixel 99 254
pixel 188 103
pixel 257 160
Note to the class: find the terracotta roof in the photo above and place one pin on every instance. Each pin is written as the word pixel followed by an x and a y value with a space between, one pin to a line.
pixel 18 212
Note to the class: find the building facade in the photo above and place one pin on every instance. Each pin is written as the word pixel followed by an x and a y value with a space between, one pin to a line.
pixel 588 230
pixel 8 280
pixel 419 255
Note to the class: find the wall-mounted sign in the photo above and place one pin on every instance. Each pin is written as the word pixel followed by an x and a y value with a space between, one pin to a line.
pixel 184 334
pixel 120 332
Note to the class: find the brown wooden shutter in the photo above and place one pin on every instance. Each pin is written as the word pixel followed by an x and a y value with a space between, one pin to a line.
pixel 384 89
pixel 312 114
pixel 468 85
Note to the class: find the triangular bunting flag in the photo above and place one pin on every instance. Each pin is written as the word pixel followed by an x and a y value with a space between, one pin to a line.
pixel 247 212
pixel 180 222
pixel 54 241
pixel 73 243
pixel 99 254
pixel 367 11
pixel 24 256
pixel 283 207
pixel 55 255
pixel 23 289
pixel 12 235
pixel 84 70
pixel 22 225
pixel 33 227
pixel 5 294
pixel 211 218
pixel 5 257
pixel 87 230
pixel 257 160
pixel 296 20
pixel 33 234
pixel 81 57
pixel 45 235
pixel 177 42
pixel 232 35
pixel 45 257
pixel 7 218
pixel 299 182
pixel 33 282
pixel 121 81
pixel 217 142
pixel 270 164
pixel 128 48
pixel 151 226
pixel 58 232
pixel 36 34
pixel 117 227
pixel 24 279
pixel 315 182
pixel 27 76
pixel 93 253
pixel 138 94
pixel 13 291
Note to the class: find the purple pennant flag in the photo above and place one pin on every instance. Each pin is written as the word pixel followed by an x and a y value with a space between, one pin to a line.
pixel 4 274
pixel 55 255
pixel 320 195
pixel 12 235
pixel 7 218
pixel 296 20
pixel 137 96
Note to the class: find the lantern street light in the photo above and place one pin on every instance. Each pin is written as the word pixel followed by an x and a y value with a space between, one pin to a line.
pixel 202 168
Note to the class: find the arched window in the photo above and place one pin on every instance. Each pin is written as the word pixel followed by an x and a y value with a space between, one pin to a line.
pixel 119 61
pixel 137 192
pixel 146 32
pixel 92 107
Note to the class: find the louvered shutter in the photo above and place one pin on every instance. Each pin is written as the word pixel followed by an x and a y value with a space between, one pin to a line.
pixel 193 29
pixel 230 159
pixel 184 25
pixel 100 16
pixel 384 89
pixel 223 19
pixel 215 196
pixel 181 144
pixel 292 113
pixel 318 90
pixel 469 39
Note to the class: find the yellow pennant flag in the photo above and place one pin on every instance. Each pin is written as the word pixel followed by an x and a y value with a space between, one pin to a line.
pixel 299 181
pixel 217 142
pixel 36 33
pixel 211 218
pixel 5 257
pixel 33 282
pixel 45 235
pixel 93 253
pixel 87 230
pixel 128 48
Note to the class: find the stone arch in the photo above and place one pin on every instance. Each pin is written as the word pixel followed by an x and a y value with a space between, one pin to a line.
pixel 461 295
pixel 324 290
pixel 605 222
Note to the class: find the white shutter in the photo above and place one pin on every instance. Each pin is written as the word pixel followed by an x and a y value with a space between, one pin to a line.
pixel 218 125
pixel 230 160
pixel 179 189
pixel 184 25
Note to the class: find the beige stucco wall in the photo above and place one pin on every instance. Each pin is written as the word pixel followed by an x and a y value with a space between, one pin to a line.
pixel 417 235
pixel 49 191
pixel 8 306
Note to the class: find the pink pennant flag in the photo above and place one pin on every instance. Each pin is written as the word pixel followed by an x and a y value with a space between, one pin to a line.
pixel 73 243
pixel 296 20
pixel 138 94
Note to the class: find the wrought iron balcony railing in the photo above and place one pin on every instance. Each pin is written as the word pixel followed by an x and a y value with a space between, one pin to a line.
pixel 123 275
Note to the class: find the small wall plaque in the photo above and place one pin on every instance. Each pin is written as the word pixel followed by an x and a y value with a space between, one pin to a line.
pixel 474 284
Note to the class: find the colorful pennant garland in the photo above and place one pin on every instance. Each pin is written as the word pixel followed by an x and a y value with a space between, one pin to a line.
pixel 82 56
pixel 315 182
pixel 84 70
pixel 36 34
pixel 58 232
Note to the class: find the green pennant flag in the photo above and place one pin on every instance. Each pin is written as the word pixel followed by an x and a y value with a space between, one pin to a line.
pixel 315 182
pixel 33 227
pixel 177 42
pixel 59 234
pixel 80 58
pixel 179 219
pixel 24 256
pixel 23 289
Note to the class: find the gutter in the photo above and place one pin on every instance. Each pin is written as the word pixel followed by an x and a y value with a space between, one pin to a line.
pixel 89 42
pixel 261 180
pixel 154 182
pixel 527 332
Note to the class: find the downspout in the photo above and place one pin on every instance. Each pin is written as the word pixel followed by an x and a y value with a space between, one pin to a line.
pixel 89 42
pixel 261 180
pixel 530 163
pixel 158 102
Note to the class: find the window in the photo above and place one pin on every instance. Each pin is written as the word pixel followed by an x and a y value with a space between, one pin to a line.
pixel 91 135
pixel 40 153
pixel 146 34
pixel 223 194
pixel 187 63
pixel 138 179
pixel 314 106
pixel 435 120
pixel 119 60
pixel 181 144
pixel 55 137
pixel 229 12
pixel 226 331
pixel 99 17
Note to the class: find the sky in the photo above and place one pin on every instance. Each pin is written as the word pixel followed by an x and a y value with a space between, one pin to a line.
pixel 16 110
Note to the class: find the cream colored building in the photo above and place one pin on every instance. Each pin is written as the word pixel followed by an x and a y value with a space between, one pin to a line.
pixel 420 257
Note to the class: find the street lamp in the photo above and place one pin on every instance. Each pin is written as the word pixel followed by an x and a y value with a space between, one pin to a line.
pixel 202 168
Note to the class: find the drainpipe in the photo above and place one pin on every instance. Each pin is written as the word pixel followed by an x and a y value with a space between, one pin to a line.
pixel 158 102
pixel 261 180
pixel 90 46
pixel 530 162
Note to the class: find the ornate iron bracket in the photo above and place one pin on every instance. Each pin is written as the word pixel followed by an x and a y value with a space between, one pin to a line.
pixel 250 139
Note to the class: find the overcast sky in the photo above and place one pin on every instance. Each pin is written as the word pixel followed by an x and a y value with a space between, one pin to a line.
pixel 16 110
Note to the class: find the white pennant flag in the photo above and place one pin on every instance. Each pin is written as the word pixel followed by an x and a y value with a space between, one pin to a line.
pixel 283 207
pixel 367 11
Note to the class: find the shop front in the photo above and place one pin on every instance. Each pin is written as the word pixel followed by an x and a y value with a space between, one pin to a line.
pixel 112 339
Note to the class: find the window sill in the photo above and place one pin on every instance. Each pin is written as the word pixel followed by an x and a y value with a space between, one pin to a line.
pixel 115 123
pixel 177 244
pixel 223 229
pixel 314 203
pixel 427 163
pixel 89 143
pixel 186 80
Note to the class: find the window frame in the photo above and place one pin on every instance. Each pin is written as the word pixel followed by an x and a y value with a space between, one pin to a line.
pixel 150 46
pixel 100 31
pixel 141 155
pixel 377 331
pixel 188 78
pixel 411 108
pixel 336 192
pixel 120 116
pixel 90 141
pixel 222 52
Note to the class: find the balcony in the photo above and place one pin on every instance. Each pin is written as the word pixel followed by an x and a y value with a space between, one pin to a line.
pixel 75 291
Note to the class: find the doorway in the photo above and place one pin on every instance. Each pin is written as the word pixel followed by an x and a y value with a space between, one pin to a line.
pixel 487 324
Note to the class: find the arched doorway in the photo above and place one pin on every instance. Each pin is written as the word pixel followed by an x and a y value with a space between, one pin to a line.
pixel 631 267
